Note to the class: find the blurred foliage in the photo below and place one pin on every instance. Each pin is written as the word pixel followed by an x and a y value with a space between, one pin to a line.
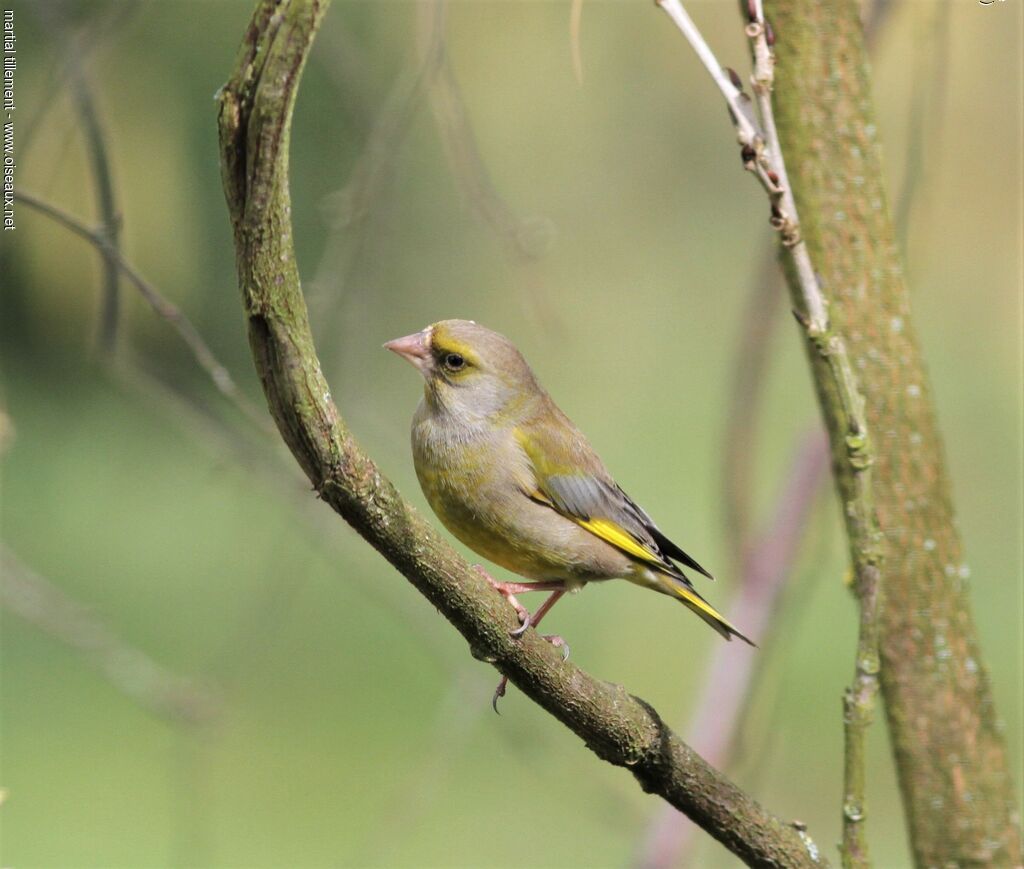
pixel 352 727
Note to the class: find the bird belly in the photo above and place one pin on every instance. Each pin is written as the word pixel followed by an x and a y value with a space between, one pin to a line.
pixel 477 489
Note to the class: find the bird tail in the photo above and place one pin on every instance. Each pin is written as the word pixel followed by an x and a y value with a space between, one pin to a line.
pixel 681 589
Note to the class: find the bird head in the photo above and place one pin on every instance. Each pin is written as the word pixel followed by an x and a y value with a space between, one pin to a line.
pixel 469 371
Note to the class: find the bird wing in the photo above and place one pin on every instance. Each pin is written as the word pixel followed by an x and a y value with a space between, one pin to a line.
pixel 570 478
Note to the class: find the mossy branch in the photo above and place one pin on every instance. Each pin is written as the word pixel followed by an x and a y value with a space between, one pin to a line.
pixel 255 117
pixel 950 755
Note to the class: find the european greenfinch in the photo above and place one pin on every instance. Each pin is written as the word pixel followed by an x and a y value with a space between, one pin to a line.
pixel 510 476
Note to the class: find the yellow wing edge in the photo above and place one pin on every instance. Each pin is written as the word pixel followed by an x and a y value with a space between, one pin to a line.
pixel 611 533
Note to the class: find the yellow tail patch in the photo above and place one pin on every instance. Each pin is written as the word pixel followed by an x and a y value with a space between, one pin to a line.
pixel 707 612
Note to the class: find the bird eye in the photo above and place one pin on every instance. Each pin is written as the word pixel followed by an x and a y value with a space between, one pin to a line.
pixel 454 361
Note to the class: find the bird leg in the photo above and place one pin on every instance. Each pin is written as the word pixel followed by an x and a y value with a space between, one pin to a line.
pixel 509 590
pixel 555 640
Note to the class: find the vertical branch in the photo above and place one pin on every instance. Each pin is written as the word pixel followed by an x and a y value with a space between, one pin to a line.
pixel 110 218
pixel 861 522
pixel 837 383
pixel 950 754
pixel 103 179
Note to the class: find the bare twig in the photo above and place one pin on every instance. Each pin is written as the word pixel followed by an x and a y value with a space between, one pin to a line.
pixel 36 600
pixel 761 152
pixel 97 27
pixel 767 564
pixel 164 308
pixel 575 20
pixel 110 218
pixel 760 323
pixel 764 157
pixel 746 130
pixel 254 130
pixel 96 144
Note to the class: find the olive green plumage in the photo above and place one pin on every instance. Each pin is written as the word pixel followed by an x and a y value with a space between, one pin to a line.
pixel 510 475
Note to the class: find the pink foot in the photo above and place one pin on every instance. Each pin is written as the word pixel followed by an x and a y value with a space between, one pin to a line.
pixel 502 588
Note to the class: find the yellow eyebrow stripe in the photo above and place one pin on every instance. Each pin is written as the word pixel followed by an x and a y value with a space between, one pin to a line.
pixel 613 534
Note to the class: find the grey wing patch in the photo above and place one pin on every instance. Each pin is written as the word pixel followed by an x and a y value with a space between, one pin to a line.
pixel 580 496
pixel 589 497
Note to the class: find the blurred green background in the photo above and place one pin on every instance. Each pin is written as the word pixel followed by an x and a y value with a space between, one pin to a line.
pixel 328 716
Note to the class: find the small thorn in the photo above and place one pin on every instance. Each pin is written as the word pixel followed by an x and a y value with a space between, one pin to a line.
pixel 734 78
pixel 800 318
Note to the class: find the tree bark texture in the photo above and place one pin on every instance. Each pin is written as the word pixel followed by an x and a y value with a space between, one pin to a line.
pixel 949 749
pixel 255 116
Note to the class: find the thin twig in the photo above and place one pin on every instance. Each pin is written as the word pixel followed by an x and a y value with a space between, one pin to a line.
pixel 96 143
pixel 164 308
pixel 575 20
pixel 761 321
pixel 764 157
pixel 761 152
pixel 39 602
pixel 747 133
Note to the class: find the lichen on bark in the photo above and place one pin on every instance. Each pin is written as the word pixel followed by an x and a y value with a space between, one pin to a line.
pixel 949 749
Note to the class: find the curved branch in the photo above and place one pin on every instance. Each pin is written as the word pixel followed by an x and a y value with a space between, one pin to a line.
pixel 255 116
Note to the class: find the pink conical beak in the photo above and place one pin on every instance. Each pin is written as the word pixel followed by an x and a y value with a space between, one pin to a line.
pixel 415 348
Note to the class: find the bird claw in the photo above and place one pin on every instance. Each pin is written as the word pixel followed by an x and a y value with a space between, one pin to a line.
pixel 525 621
pixel 559 643
pixel 499 692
